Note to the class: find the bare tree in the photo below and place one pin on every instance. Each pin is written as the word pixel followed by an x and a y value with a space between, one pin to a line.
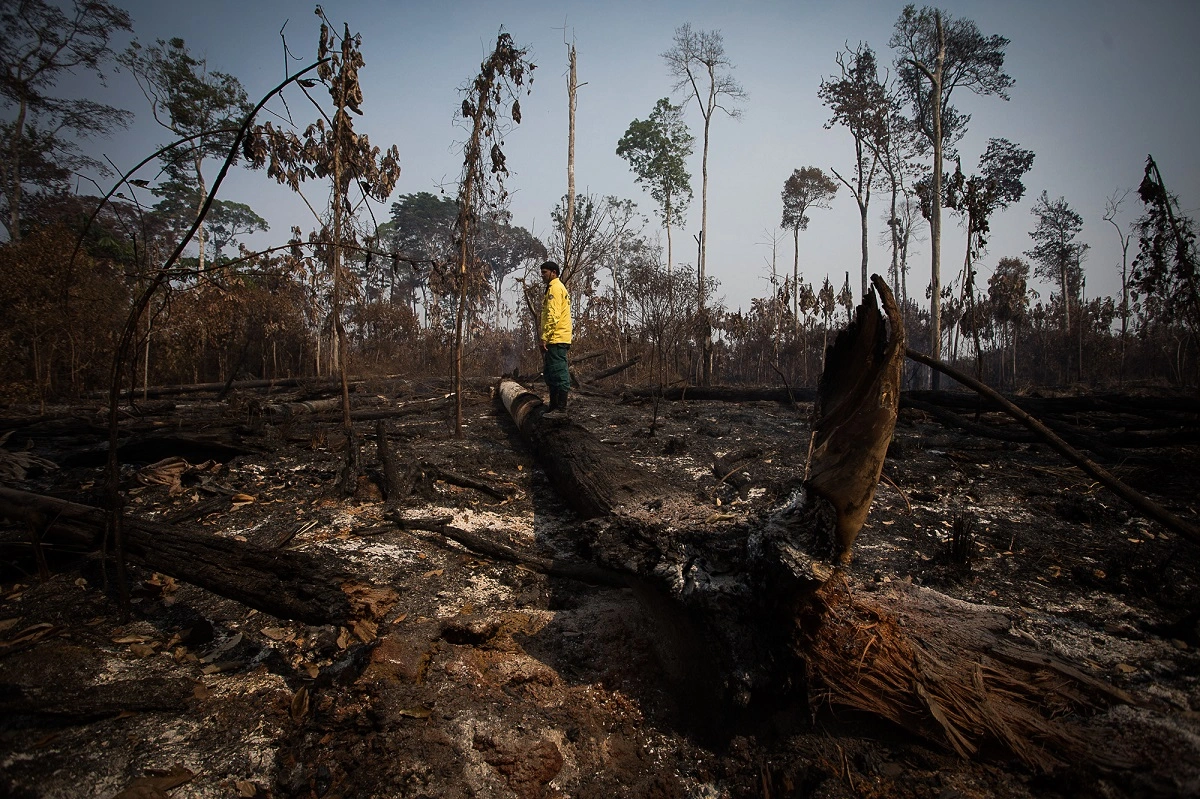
pixel 572 89
pixel 859 103
pixel 1112 207
pixel 701 69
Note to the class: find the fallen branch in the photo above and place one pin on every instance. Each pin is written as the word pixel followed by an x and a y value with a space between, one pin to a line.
pixel 1147 506
pixel 461 480
pixel 491 548
pixel 621 367
pixel 285 583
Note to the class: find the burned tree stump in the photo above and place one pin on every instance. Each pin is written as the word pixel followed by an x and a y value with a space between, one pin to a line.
pixel 857 402
pixel 762 617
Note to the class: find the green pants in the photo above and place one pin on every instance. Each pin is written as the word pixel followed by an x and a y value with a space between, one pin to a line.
pixel 554 367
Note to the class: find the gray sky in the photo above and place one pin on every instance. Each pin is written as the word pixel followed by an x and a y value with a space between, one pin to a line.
pixel 1098 85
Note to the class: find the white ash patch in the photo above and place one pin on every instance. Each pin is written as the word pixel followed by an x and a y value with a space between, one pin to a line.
pixel 481 592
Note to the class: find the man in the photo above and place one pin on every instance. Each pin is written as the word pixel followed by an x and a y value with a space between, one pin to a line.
pixel 555 338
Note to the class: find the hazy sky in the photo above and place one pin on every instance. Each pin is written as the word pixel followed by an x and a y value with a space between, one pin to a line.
pixel 1098 86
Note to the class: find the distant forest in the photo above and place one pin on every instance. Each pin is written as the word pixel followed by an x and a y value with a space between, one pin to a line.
pixel 147 280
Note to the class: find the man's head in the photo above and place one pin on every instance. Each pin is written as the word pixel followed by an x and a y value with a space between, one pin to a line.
pixel 550 271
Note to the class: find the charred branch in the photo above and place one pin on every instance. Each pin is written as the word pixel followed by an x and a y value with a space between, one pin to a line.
pixel 1143 504
pixel 286 584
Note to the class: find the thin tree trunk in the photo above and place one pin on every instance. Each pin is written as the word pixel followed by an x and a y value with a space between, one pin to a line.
pixel 569 223
pixel 13 189
pixel 935 222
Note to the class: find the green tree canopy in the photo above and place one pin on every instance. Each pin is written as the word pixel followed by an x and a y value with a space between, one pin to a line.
pixel 204 107
pixel 39 41
pixel 657 149
pixel 1057 256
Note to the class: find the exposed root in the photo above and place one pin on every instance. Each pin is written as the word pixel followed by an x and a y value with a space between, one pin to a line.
pixel 926 671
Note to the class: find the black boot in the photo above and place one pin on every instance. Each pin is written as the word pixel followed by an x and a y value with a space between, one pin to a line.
pixel 558 403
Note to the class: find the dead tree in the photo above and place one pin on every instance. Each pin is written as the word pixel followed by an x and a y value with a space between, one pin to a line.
pixel 764 615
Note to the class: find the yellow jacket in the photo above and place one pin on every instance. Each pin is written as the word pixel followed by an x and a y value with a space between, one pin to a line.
pixel 556 314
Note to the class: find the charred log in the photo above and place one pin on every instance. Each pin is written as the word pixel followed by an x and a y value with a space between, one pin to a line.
pixel 1143 504
pixel 768 622
pixel 284 583
pixel 855 414
pixel 724 393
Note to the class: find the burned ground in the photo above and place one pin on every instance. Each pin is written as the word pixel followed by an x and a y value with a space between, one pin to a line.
pixel 489 678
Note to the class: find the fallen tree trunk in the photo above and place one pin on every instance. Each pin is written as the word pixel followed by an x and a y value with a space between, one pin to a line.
pixel 761 620
pixel 283 583
pixel 725 393
pixel 592 478
pixel 214 388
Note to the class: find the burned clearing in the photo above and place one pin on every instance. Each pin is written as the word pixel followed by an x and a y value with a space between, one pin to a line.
pixel 493 669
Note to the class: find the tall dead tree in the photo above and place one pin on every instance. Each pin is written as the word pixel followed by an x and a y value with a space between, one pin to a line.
pixel 569 223
pixel 331 148
pixel 701 70
pixel 500 79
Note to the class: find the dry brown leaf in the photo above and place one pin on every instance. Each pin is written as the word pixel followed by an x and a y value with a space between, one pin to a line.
pixel 155 787
pixel 141 650
pixel 299 708
pixel 278 633
pixel 34 633
pixel 434 573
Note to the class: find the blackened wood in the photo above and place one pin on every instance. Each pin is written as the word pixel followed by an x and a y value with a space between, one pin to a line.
pixel 725 393
pixel 855 414
pixel 283 583
pixel 591 477
pixel 387 461
pixel 613 370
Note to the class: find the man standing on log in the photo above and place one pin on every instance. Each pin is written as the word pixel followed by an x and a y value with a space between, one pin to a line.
pixel 555 339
